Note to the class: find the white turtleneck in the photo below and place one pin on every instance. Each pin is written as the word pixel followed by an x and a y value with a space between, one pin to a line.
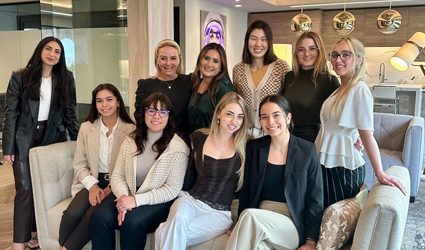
pixel 147 158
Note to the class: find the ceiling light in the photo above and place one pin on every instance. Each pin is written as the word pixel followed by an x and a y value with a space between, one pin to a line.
pixel 404 57
pixel 238 5
pixel 55 13
pixel 358 2
pixel 238 0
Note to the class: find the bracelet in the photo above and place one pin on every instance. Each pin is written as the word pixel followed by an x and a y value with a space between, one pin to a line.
pixel 310 239
pixel 376 174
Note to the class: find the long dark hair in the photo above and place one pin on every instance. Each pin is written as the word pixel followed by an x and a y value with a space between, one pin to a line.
pixel 140 134
pixel 282 103
pixel 196 76
pixel 32 73
pixel 94 113
pixel 270 56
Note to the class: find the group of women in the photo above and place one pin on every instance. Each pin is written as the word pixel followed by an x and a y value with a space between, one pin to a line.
pixel 129 176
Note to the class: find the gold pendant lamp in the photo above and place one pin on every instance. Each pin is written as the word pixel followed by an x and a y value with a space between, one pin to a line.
pixel 344 22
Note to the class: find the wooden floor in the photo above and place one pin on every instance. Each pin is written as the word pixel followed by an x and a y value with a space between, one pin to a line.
pixel 7 191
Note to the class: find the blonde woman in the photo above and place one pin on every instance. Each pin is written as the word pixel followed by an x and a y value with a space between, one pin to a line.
pixel 308 85
pixel 219 156
pixel 346 115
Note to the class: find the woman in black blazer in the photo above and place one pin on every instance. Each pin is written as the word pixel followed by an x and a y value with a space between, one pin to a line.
pixel 39 108
pixel 282 174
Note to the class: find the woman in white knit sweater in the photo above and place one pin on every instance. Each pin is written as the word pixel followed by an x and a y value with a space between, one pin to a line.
pixel 147 177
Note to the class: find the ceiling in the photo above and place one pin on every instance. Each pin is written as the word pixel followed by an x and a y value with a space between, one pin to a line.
pixel 285 5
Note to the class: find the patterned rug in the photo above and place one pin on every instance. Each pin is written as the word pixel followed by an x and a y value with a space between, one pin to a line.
pixel 414 234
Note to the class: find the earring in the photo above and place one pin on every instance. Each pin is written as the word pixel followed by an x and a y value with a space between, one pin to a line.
pixel 218 120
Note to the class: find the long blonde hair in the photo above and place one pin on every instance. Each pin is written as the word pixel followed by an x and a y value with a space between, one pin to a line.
pixel 359 72
pixel 320 66
pixel 241 136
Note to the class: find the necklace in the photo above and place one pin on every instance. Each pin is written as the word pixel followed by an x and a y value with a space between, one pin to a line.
pixel 282 151
pixel 169 84
pixel 219 146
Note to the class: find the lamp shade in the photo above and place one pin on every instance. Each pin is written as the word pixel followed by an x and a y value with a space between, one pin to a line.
pixel 404 57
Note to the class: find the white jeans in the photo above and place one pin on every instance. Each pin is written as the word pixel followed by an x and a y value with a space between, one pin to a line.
pixel 190 222
pixel 263 229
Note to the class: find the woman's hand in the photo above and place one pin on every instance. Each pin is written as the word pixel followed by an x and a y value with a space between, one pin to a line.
pixel 125 203
pixel 359 144
pixel 107 191
pixel 309 245
pixel 229 233
pixel 10 158
pixel 385 179
pixel 121 216
pixel 96 195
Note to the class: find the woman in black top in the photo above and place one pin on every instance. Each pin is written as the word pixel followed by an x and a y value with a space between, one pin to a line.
pixel 39 108
pixel 219 153
pixel 308 85
pixel 169 81
pixel 283 175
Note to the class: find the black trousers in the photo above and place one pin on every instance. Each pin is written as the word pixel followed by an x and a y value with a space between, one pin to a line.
pixel 137 224
pixel 340 183
pixel 23 214
pixel 74 230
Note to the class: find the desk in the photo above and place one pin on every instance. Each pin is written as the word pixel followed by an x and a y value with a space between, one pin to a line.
pixel 414 90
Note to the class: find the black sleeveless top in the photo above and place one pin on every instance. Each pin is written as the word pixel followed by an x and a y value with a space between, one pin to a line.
pixel 217 178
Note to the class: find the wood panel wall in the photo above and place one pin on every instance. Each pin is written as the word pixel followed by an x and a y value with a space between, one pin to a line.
pixel 413 20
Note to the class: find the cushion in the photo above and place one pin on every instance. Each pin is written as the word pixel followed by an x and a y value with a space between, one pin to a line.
pixel 339 221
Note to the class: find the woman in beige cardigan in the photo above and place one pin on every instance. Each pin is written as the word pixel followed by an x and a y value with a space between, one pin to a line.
pixel 148 176
pixel 97 148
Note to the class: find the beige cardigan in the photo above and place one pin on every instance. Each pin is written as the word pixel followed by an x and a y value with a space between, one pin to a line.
pixel 86 157
pixel 164 180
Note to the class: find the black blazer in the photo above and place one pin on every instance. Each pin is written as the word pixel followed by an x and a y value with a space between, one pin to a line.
pixel 21 116
pixel 303 183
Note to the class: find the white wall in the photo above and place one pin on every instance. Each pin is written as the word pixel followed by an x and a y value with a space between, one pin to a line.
pixel 235 32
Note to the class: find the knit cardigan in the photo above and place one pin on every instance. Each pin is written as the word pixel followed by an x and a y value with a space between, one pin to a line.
pixel 270 84
pixel 164 180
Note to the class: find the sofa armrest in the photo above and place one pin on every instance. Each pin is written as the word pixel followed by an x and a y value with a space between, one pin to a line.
pixel 412 155
pixel 51 175
pixel 383 219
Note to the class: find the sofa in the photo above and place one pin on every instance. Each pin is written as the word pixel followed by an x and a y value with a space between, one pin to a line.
pixel 400 140
pixel 380 225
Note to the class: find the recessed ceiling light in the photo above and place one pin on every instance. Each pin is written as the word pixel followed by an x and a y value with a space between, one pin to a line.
pixel 238 0
pixel 238 5
pixel 348 3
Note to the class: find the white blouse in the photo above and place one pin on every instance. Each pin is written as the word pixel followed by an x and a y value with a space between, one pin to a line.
pixel 45 98
pixel 337 136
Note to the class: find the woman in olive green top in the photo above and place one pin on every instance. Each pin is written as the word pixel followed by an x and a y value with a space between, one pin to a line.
pixel 210 81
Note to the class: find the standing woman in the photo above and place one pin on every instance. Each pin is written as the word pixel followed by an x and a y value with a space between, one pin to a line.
pixel 281 201
pixel 169 81
pixel 219 156
pixel 210 82
pixel 39 108
pixel 308 85
pixel 345 115
pixel 260 73
pixel 147 177
pixel 98 144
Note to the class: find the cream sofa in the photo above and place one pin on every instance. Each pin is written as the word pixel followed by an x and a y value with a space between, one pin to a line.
pixel 380 226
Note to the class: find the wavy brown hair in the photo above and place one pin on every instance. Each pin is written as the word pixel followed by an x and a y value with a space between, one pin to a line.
pixel 140 134
pixel 196 76
pixel 32 73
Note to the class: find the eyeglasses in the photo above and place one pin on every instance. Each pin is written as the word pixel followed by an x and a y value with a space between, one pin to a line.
pixel 311 51
pixel 345 56
pixel 162 113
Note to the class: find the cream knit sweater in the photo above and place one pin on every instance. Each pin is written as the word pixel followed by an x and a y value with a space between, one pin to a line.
pixel 164 180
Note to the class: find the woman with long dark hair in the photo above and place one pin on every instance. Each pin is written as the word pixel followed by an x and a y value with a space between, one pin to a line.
pixel 98 144
pixel 40 106
pixel 147 177
pixel 210 82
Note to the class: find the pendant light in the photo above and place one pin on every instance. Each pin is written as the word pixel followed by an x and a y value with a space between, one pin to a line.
pixel 389 21
pixel 301 22
pixel 344 22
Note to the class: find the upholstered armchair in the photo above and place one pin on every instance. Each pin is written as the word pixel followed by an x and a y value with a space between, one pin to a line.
pixel 400 139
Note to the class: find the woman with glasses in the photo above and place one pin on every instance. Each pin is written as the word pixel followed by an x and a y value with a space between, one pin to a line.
pixel 260 73
pixel 210 83
pixel 308 85
pixel 203 212
pixel 98 144
pixel 346 115
pixel 147 177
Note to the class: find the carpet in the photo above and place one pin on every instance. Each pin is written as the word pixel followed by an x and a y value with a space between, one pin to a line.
pixel 414 233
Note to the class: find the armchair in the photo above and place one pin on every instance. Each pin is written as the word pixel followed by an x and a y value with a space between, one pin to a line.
pixel 400 139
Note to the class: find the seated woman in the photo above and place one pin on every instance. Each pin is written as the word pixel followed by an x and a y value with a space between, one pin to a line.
pixel 148 176
pixel 98 142
pixel 219 152
pixel 210 82
pixel 283 175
